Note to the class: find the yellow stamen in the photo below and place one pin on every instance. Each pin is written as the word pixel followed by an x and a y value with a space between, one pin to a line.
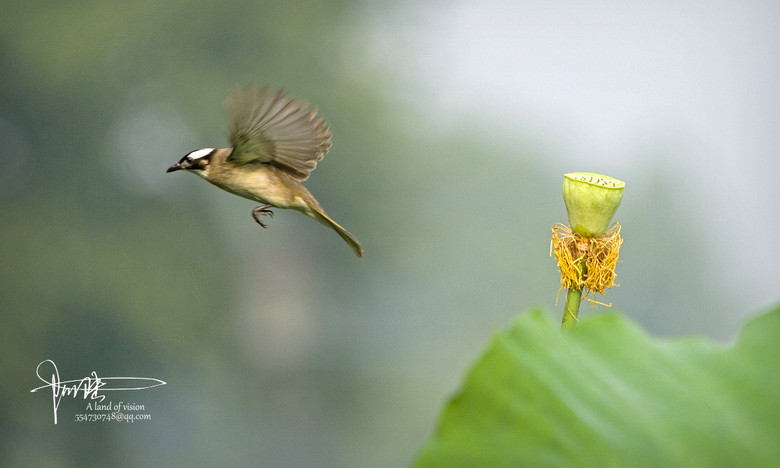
pixel 586 262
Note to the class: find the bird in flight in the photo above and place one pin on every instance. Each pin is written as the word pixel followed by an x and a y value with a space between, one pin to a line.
pixel 275 142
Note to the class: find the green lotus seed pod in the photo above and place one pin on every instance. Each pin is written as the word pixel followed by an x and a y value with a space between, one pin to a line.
pixel 591 201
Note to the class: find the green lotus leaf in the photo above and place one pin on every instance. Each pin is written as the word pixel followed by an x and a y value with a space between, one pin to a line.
pixel 607 394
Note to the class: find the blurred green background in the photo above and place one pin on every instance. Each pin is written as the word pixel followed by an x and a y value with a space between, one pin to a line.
pixel 453 125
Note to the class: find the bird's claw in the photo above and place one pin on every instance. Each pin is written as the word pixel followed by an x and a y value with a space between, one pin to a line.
pixel 264 211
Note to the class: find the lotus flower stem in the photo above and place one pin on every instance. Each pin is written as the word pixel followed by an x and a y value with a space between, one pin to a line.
pixel 572 307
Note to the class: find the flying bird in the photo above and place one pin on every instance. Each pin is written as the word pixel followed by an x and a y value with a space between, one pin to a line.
pixel 275 142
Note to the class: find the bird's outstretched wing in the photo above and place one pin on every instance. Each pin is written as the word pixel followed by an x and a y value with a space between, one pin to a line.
pixel 275 129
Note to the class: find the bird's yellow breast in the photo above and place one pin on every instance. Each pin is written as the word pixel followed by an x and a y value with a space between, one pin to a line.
pixel 258 182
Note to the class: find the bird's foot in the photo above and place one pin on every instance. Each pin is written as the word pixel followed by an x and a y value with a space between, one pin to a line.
pixel 264 211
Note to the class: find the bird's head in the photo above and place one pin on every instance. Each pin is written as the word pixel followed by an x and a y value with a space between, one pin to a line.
pixel 195 161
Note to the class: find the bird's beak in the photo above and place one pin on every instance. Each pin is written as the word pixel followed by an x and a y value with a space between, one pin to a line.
pixel 173 168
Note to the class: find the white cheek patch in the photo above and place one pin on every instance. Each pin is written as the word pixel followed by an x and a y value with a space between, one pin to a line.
pixel 200 153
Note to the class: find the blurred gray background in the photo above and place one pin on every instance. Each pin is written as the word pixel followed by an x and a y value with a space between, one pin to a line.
pixel 453 125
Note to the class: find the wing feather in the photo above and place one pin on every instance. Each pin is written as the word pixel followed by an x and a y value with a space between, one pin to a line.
pixel 275 129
